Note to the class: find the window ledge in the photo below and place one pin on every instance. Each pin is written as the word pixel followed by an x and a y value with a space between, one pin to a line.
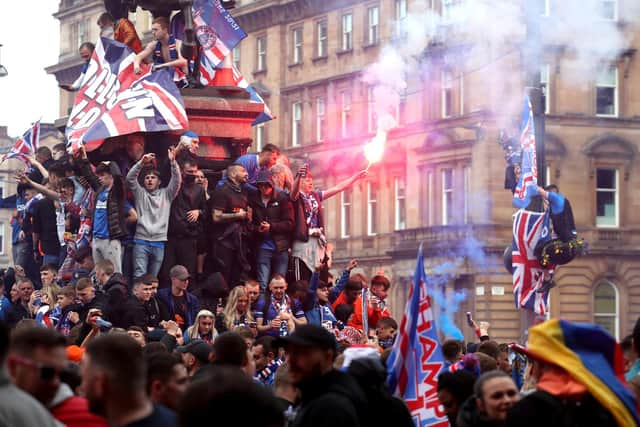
pixel 259 72
pixel 370 45
pixel 344 52
pixel 319 58
pixel 295 65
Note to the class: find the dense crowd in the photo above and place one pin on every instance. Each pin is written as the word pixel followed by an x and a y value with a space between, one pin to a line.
pixel 142 295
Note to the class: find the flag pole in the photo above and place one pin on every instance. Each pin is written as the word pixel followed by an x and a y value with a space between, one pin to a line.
pixel 532 63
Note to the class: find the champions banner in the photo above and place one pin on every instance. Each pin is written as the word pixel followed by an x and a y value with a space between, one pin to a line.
pixel 416 358
pixel 113 100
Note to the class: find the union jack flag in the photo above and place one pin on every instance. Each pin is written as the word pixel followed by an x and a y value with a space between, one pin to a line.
pixel 113 100
pixel 529 228
pixel 527 186
pixel 416 358
pixel 240 81
pixel 26 144
pixel 216 30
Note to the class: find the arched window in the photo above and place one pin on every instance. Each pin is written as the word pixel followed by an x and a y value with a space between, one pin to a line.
pixel 605 307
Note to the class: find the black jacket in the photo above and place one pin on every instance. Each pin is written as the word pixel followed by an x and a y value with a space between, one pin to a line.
pixel 332 400
pixel 116 293
pixel 115 199
pixel 190 197
pixel 543 409
pixel 16 313
pixel 278 213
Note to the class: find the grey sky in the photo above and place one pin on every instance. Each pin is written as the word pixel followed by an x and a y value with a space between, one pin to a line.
pixel 30 36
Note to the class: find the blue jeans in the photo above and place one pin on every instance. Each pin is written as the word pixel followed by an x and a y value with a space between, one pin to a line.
pixel 147 260
pixel 269 263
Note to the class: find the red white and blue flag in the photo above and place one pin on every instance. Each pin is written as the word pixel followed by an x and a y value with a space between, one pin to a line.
pixel 416 358
pixel 527 186
pixel 240 81
pixel 113 100
pixel 25 145
pixel 216 30
pixel 529 228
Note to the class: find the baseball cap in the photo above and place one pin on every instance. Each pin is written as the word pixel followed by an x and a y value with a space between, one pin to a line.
pixel 198 348
pixel 309 336
pixel 179 272
pixel 264 177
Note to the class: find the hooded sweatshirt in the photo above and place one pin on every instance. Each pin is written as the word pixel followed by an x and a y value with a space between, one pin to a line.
pixel 153 207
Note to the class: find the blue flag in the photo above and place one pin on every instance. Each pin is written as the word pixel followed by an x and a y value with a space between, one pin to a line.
pixel 527 186
pixel 416 358
pixel 216 30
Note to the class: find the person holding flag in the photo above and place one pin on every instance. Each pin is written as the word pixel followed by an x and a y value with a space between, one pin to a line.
pixel 165 51
pixel 416 358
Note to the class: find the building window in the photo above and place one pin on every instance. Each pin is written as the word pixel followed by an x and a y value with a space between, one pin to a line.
pixel 2 188
pixel 345 114
pixel 607 92
pixel 296 123
pixel 545 83
pixel 401 17
pixel 235 54
pixel 260 137
pixel 261 47
pixel 322 41
pixel 83 35
pixel 430 199
pixel 461 93
pixel 372 117
pixel 605 307
pixel 296 37
pixel 467 183
pixel 609 10
pixel 345 213
pixel 451 9
pixel 2 238
pixel 401 110
pixel 447 196
pixel 401 206
pixel 544 7
pixel 347 31
pixel 321 119
pixel 607 199
pixel 447 93
pixel 372 209
pixel 373 20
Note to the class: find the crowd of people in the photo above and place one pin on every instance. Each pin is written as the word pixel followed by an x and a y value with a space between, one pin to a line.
pixel 133 302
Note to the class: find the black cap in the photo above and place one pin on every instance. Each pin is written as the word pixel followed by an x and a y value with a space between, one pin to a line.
pixel 198 348
pixel 309 336
pixel 264 177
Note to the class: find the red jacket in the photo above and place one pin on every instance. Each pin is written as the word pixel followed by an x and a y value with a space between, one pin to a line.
pixel 74 412
pixel 356 320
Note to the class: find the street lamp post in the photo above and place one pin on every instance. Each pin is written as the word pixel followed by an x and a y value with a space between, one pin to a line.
pixel 3 70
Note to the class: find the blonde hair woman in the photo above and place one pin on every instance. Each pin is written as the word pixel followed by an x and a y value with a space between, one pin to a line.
pixel 237 312
pixel 202 328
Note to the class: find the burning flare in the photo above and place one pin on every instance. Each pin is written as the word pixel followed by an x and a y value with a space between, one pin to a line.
pixel 374 149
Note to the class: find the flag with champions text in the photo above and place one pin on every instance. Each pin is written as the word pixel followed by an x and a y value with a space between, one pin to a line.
pixel 113 100
pixel 416 358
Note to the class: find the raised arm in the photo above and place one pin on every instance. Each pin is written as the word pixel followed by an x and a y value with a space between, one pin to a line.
pixel 176 178
pixel 47 192
pixel 144 54
pixel 343 185
pixel 38 165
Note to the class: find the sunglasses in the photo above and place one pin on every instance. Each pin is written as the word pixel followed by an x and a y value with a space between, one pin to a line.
pixel 47 373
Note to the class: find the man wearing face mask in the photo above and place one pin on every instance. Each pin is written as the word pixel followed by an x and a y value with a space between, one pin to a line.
pixel 187 211
pixel 153 205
